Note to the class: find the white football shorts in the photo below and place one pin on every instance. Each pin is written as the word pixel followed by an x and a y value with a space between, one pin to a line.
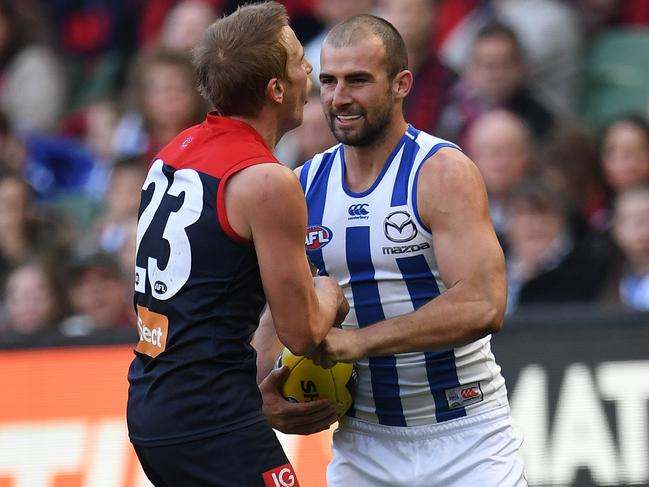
pixel 480 450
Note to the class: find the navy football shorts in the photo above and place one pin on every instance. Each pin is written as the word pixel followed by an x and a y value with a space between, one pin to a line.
pixel 250 457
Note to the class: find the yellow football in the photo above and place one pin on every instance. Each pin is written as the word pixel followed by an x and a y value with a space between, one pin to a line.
pixel 309 382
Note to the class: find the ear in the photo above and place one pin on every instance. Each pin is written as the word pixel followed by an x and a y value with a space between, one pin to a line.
pixel 275 91
pixel 402 84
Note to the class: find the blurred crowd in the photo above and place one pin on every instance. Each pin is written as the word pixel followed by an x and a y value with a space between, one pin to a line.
pixel 550 98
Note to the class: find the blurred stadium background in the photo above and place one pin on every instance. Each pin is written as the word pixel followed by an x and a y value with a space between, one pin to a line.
pixel 550 98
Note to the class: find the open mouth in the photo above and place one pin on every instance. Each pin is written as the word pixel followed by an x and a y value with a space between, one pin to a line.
pixel 347 119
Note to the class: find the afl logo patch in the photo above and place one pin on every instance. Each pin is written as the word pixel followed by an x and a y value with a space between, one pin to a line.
pixel 399 227
pixel 317 236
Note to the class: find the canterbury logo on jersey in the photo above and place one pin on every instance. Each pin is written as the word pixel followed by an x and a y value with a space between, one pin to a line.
pixel 358 212
pixel 464 395
pixel 152 329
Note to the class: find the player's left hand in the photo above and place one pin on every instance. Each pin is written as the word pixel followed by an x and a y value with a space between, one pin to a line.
pixel 303 418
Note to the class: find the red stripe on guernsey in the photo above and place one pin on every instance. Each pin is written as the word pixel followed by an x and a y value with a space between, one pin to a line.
pixel 221 211
pixel 283 476
pixel 219 147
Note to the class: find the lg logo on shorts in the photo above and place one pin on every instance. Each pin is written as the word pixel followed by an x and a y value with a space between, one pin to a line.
pixel 283 476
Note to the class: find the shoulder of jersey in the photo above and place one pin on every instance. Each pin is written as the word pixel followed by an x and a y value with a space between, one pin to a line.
pixel 207 151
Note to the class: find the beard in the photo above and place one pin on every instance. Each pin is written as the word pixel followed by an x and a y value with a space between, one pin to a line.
pixel 370 131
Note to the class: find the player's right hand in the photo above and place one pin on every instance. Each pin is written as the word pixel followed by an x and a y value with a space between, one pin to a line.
pixel 302 418
pixel 325 282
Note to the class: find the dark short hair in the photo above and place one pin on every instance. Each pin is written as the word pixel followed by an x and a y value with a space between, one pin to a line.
pixel 495 28
pixel 239 54
pixel 353 30
pixel 634 119
pixel 93 260
pixel 539 196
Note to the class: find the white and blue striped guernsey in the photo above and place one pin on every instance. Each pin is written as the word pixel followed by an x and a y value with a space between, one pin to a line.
pixel 375 244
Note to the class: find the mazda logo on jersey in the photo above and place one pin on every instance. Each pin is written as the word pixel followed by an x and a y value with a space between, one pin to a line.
pixel 358 212
pixel 399 227
pixel 317 237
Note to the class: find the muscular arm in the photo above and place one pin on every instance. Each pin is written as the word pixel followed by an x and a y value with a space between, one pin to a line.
pixel 264 203
pixel 452 201
pixel 298 418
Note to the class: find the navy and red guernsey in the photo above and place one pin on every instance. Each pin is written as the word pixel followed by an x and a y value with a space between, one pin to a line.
pixel 198 292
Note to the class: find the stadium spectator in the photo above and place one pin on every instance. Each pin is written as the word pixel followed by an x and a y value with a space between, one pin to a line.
pixel 501 146
pixel 100 123
pixel 55 166
pixel 625 153
pixel 546 263
pixel 185 23
pixel 120 205
pixel 96 39
pixel 25 231
pixel 493 78
pixel 551 37
pixel 629 279
pixel 166 102
pixel 416 21
pixel 34 84
pixel 569 162
pixel 99 293
pixel 34 299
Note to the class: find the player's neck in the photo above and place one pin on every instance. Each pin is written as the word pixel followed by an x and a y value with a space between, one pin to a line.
pixel 265 126
pixel 363 164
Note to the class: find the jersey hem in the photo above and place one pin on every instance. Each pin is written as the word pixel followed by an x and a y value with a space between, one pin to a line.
pixel 410 433
pixel 196 436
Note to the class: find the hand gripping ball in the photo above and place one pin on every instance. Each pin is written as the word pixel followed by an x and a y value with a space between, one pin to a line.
pixel 309 382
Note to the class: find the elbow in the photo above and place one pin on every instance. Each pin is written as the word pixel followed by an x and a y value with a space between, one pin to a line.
pixel 301 341
pixel 301 333
pixel 301 345
pixel 488 314
pixel 492 318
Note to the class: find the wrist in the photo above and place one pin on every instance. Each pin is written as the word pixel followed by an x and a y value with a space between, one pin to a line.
pixel 361 340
